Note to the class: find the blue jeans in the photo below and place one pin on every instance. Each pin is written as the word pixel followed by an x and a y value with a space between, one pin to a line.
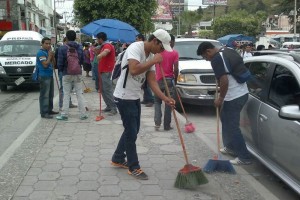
pixel 158 102
pixel 107 90
pixel 130 111
pixel 96 76
pixel 46 94
pixel 231 132
pixel 148 96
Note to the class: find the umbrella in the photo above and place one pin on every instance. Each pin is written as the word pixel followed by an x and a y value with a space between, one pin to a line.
pixel 116 30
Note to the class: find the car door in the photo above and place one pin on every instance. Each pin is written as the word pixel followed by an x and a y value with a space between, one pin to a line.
pixel 279 137
pixel 257 87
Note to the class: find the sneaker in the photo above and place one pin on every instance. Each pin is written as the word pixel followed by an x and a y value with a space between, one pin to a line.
pixel 107 109
pixel 83 117
pixel 112 112
pixel 149 105
pixel 118 164
pixel 62 117
pixel 156 127
pixel 227 151
pixel 73 106
pixel 138 174
pixel 168 128
pixel 46 116
pixel 237 161
pixel 53 112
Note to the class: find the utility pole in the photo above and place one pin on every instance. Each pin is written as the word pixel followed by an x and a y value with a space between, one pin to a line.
pixel 179 2
pixel 54 22
pixel 26 15
pixel 295 21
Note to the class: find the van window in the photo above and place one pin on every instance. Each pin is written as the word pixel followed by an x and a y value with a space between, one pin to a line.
pixel 19 48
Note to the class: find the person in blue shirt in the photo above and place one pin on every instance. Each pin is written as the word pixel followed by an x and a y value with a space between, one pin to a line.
pixel 44 60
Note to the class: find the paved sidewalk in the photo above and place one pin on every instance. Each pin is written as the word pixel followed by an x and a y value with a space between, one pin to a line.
pixel 74 163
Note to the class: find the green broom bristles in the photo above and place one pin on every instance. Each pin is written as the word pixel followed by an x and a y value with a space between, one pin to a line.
pixel 189 177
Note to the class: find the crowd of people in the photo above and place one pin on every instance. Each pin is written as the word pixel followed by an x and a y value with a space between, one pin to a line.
pixel 145 63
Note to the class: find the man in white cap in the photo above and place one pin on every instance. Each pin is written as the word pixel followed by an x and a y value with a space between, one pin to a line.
pixel 138 63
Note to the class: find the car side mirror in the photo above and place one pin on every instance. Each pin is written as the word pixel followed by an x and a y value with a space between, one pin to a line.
pixel 291 112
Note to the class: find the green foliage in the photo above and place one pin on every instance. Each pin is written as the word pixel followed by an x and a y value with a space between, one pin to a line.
pixel 239 22
pixel 137 13
pixel 207 34
pixel 189 18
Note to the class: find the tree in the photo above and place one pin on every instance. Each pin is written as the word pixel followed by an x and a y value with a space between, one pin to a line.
pixel 137 13
pixel 239 22
pixel 190 18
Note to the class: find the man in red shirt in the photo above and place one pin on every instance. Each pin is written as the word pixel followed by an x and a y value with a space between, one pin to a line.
pixel 106 65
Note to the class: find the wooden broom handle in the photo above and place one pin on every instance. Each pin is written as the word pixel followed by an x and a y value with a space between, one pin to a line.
pixel 218 119
pixel 176 120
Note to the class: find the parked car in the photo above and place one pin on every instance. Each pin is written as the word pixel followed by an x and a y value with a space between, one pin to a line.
pixel 196 81
pixel 270 120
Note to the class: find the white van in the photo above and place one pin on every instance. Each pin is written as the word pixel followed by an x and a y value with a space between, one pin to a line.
pixel 18 51
pixel 290 45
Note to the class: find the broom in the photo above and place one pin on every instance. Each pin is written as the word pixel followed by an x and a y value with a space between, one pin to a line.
pixel 217 164
pixel 100 117
pixel 60 94
pixel 189 176
pixel 87 89
pixel 189 127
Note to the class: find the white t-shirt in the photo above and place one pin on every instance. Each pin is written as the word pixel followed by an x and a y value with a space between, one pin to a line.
pixel 247 54
pixel 235 89
pixel 133 85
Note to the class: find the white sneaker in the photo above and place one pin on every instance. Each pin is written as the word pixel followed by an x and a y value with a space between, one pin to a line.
pixel 225 150
pixel 237 161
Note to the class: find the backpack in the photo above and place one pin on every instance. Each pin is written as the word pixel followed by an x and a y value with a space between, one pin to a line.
pixel 35 74
pixel 73 64
pixel 234 64
pixel 118 68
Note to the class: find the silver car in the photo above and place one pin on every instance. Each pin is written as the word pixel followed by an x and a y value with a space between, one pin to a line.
pixel 270 120
pixel 196 81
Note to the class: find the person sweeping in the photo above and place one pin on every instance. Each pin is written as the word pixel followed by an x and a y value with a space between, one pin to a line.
pixel 138 63
pixel 170 67
pixel 231 75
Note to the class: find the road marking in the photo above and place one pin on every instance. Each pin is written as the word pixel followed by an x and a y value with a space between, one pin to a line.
pixel 17 143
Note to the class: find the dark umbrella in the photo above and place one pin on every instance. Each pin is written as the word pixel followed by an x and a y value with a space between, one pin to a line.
pixel 116 30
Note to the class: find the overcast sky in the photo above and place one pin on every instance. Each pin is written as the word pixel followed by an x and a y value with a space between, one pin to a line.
pixel 194 4
pixel 67 7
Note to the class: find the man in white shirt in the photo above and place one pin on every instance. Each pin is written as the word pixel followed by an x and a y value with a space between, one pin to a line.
pixel 247 52
pixel 140 58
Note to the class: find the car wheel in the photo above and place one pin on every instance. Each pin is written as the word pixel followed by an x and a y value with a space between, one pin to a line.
pixel 3 87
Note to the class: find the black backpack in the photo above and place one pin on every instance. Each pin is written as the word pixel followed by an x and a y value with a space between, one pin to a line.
pixel 118 68
pixel 235 65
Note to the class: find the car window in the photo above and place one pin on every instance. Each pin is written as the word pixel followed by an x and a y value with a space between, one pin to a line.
pixel 284 87
pixel 259 72
pixel 188 49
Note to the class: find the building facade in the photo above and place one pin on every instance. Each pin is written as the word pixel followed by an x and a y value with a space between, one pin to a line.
pixel 36 15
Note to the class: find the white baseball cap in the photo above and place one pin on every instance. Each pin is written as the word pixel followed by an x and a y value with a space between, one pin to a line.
pixel 164 37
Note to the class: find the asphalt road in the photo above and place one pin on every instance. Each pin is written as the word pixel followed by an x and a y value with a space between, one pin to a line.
pixel 205 120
